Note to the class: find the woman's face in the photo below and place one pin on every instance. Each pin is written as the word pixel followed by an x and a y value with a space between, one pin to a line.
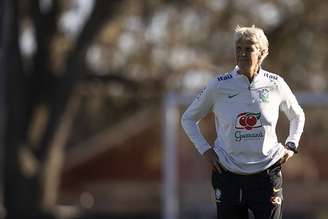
pixel 247 55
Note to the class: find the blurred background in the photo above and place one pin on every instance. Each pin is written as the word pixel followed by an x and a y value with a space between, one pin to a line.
pixel 92 92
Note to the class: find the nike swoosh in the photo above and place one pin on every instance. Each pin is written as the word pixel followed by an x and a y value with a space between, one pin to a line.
pixel 233 95
pixel 276 190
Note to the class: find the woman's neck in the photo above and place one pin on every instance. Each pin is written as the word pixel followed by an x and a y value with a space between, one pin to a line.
pixel 248 73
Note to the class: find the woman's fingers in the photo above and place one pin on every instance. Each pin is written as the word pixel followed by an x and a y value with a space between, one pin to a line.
pixel 213 159
pixel 216 166
pixel 288 154
pixel 283 159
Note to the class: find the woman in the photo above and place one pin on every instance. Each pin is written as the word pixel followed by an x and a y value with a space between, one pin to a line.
pixel 246 156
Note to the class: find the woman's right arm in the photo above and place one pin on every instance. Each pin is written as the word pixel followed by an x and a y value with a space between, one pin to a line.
pixel 198 109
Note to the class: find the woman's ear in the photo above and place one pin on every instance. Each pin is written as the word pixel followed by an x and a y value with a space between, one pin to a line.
pixel 263 55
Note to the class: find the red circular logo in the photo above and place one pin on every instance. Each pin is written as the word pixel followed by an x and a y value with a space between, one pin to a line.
pixel 248 120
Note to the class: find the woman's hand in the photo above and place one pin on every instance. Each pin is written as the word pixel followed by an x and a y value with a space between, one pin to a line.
pixel 213 160
pixel 288 154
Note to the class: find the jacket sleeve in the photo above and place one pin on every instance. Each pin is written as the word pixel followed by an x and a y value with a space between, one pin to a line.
pixel 293 111
pixel 201 105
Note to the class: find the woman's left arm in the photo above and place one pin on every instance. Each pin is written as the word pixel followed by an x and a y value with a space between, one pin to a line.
pixel 293 111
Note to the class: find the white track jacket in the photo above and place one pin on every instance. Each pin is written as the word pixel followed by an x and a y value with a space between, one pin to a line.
pixel 246 115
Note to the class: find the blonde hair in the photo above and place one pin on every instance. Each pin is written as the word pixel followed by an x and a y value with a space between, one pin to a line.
pixel 255 35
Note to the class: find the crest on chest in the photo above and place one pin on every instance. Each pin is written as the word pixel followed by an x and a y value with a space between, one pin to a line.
pixel 264 95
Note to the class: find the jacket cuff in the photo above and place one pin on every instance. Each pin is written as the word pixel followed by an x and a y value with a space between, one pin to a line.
pixel 203 149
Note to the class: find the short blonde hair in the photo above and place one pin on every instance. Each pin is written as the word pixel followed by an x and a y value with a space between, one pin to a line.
pixel 254 34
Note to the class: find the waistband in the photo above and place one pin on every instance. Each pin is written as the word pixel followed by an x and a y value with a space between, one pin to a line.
pixel 275 166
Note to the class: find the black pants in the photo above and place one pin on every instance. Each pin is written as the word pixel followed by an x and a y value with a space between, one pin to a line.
pixel 261 193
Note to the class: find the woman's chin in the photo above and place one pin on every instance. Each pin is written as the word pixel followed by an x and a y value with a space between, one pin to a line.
pixel 243 66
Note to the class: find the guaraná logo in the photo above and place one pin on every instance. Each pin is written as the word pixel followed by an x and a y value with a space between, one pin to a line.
pixel 248 121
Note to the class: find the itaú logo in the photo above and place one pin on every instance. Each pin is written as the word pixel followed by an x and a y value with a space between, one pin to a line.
pixel 248 121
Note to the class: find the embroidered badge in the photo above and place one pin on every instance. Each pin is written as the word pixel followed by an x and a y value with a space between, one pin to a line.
pixel 218 195
pixel 264 95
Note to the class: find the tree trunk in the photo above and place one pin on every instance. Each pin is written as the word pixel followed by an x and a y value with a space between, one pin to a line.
pixel 21 194
pixel 38 122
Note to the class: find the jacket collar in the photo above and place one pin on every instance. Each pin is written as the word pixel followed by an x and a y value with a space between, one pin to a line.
pixel 235 73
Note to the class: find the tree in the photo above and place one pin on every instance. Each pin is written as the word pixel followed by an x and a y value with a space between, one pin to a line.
pixel 36 102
